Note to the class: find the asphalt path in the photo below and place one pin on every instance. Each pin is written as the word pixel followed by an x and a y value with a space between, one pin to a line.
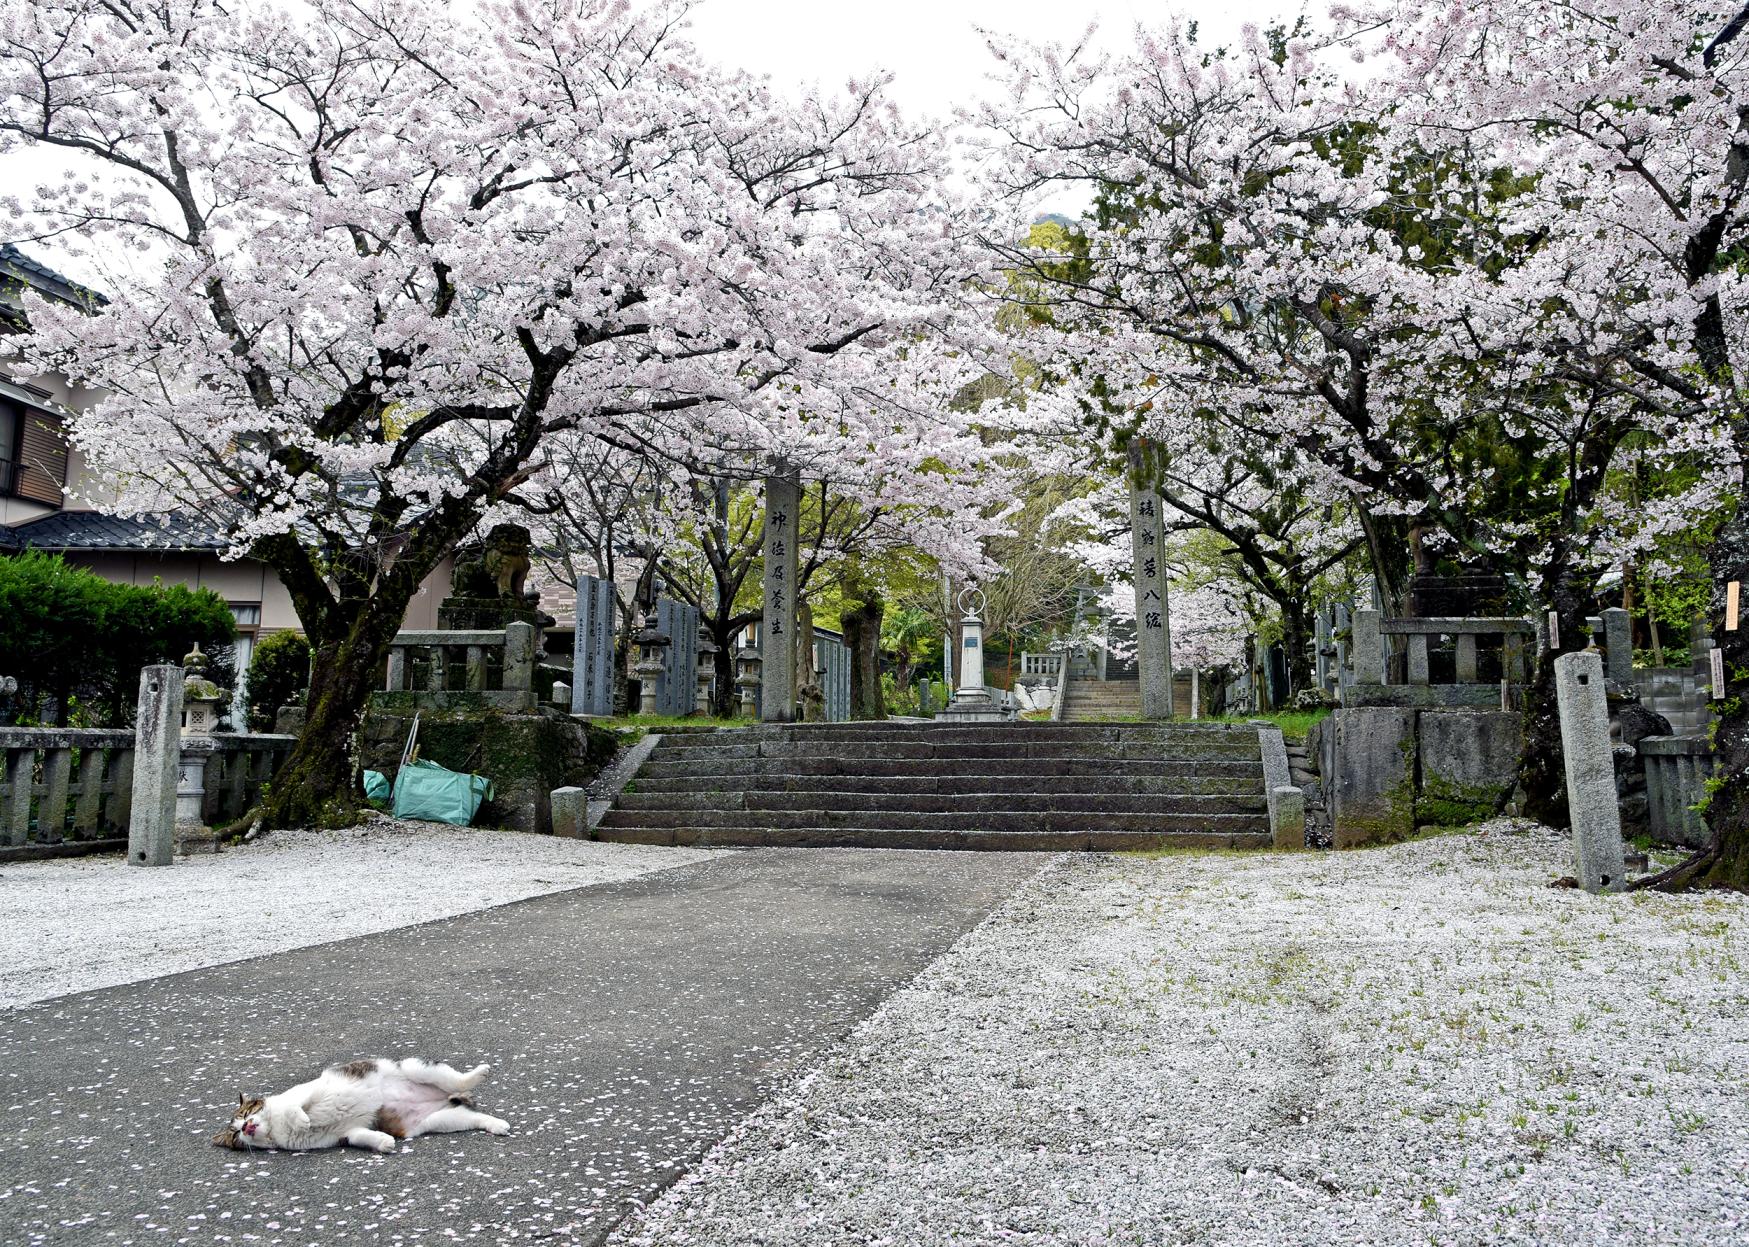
pixel 629 1025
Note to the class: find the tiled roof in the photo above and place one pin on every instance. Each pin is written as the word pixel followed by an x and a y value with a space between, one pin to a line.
pixel 41 277
pixel 91 530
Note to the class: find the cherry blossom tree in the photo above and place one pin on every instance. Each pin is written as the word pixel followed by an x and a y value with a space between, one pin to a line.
pixel 1627 119
pixel 1279 257
pixel 393 248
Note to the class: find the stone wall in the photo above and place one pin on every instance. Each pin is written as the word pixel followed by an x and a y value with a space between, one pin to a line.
pixel 1390 769
pixel 525 756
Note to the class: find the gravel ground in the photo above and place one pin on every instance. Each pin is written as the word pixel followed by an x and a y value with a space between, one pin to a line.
pixel 1416 1045
pixel 83 923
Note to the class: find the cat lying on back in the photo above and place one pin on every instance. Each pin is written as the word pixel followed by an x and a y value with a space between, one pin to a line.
pixel 369 1103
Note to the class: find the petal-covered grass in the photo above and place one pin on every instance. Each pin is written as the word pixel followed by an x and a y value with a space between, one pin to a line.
pixel 1413 1045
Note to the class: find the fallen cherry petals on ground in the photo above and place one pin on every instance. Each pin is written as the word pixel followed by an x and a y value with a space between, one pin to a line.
pixel 1422 1044
pixel 82 923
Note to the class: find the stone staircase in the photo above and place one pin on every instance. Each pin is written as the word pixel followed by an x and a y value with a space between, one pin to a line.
pixel 1089 699
pixel 1045 786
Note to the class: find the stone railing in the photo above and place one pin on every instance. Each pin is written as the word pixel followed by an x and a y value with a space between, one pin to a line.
pixel 71 789
pixel 1040 664
pixel 237 768
pixel 65 784
pixel 1677 768
pixel 1505 643
pixel 492 667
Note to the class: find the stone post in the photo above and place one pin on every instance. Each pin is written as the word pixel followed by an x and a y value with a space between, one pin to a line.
pixel 778 673
pixel 562 695
pixel 1591 796
pixel 1369 648
pixel 157 750
pixel 1618 645
pixel 1153 622
pixel 570 813
pixel 519 655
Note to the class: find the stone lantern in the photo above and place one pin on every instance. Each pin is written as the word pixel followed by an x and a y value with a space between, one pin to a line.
pixel 747 665
pixel 707 669
pixel 202 701
pixel 201 698
pixel 650 665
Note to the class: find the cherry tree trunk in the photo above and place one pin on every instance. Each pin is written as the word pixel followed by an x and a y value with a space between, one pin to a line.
pixel 319 785
pixel 862 633
pixel 1542 773
pixel 1296 637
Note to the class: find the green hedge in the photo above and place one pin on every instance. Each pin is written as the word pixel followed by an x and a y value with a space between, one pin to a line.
pixel 278 671
pixel 76 642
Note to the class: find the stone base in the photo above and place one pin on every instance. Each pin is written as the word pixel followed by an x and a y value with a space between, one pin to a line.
pixel 525 756
pixel 976 707
pixel 464 614
pixel 1389 770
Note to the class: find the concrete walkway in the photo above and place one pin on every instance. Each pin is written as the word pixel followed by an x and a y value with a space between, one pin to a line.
pixel 630 1025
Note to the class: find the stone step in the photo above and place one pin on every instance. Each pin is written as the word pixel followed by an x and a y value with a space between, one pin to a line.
pixel 965 820
pixel 922 838
pixel 1138 748
pixel 1190 780
pixel 731 770
pixel 1028 805
pixel 907 733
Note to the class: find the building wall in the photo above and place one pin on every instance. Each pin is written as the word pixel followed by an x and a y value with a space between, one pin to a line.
pixel 242 582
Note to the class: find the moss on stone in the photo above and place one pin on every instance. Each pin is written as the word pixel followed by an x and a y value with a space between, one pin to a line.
pixel 1447 803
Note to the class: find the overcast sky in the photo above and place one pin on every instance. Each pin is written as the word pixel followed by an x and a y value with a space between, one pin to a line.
pixel 932 47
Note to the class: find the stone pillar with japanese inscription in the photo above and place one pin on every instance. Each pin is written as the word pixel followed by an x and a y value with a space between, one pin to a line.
pixel 1153 624
pixel 777 674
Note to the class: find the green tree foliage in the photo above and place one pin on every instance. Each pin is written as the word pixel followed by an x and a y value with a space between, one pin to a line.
pixel 75 640
pixel 278 672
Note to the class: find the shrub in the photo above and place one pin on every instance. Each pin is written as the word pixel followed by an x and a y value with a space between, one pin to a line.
pixel 70 637
pixel 279 671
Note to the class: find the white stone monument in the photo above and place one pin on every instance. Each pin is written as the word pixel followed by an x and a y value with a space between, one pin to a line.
pixel 972 702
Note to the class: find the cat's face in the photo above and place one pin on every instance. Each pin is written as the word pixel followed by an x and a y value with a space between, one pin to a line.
pixel 248 1125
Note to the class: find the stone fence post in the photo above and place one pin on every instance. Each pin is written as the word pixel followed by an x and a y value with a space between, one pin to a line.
pixel 1591 796
pixel 519 657
pixel 1618 645
pixel 157 751
pixel 1369 648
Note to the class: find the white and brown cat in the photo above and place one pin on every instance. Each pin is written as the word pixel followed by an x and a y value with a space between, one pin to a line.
pixel 371 1103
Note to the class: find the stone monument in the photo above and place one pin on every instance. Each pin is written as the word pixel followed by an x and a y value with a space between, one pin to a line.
pixel 782 526
pixel 1153 622
pixel 488 588
pixel 972 702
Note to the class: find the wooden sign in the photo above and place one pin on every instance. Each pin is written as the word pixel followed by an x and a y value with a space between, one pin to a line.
pixel 1717 656
pixel 1732 592
pixel 1554 630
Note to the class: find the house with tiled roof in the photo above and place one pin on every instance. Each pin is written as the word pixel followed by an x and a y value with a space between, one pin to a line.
pixel 45 494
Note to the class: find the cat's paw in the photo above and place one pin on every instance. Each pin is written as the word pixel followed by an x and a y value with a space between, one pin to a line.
pixel 494 1125
pixel 374 1140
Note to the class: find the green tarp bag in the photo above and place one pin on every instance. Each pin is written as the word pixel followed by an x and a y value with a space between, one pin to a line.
pixel 428 791
pixel 377 789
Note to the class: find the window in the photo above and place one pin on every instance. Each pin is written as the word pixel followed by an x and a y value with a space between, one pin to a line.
pixel 11 435
pixel 248 617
